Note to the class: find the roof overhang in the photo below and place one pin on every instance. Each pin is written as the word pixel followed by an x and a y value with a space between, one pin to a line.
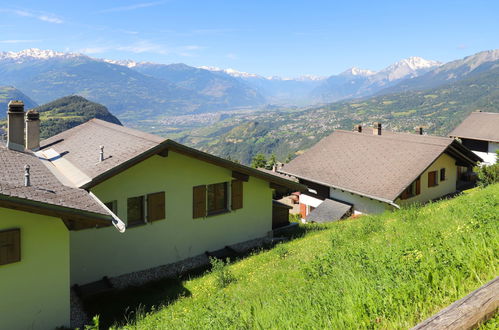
pixel 380 199
pixel 162 150
pixel 73 218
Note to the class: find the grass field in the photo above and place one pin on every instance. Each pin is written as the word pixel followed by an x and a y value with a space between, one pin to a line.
pixel 387 271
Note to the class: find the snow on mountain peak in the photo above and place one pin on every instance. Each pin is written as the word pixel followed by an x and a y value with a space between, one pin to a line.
pixel 408 67
pixel 230 72
pixel 127 63
pixel 36 53
pixel 354 71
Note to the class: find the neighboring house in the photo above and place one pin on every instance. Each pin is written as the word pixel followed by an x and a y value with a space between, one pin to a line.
pixel 480 133
pixel 377 171
pixel 56 230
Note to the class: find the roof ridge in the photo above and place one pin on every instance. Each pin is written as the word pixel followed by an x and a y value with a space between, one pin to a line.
pixel 405 140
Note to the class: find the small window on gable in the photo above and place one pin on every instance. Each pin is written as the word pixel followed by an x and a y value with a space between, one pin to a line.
pixel 113 206
pixel 442 174
pixel 10 246
pixel 135 211
pixel 432 179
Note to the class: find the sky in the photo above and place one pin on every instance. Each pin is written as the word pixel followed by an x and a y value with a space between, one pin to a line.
pixel 272 37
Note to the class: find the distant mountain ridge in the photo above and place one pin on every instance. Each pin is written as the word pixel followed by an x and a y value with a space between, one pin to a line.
pixel 9 93
pixel 134 90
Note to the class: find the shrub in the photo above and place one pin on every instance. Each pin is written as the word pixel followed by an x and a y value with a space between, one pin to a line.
pixel 223 275
pixel 487 174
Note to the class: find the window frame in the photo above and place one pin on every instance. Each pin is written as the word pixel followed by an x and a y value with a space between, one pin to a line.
pixel 217 210
pixel 435 181
pixel 16 255
pixel 443 175
pixel 141 222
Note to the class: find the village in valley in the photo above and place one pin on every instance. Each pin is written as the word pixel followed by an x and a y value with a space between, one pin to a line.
pixel 140 195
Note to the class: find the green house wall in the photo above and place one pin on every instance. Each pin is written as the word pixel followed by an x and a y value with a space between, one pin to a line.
pixel 34 292
pixel 104 252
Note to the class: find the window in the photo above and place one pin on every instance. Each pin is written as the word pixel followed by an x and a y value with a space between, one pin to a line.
pixel 442 174
pixel 135 211
pixel 432 179
pixel 113 206
pixel 412 190
pixel 214 198
pixel 217 198
pixel 10 246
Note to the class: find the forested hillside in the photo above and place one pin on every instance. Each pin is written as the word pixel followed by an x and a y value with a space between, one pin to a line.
pixel 283 132
pixel 68 112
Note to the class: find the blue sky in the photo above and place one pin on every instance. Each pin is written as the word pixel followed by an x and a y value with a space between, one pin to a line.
pixel 286 38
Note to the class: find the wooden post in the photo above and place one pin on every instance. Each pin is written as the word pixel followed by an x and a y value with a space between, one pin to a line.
pixel 467 312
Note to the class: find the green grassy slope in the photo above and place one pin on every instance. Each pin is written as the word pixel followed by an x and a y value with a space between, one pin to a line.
pixel 387 271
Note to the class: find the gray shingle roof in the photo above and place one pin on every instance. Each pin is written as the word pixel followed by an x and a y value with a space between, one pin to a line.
pixel 479 126
pixel 379 166
pixel 45 187
pixel 328 211
pixel 81 145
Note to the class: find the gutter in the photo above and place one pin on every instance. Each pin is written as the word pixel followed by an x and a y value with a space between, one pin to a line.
pixel 117 222
pixel 387 201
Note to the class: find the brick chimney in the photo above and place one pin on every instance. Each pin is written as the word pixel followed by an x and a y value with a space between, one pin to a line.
pixel 377 128
pixel 358 128
pixel 15 125
pixel 32 130
pixel 419 130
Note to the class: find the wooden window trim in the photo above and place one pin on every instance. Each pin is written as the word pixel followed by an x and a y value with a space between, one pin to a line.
pixel 443 174
pixel 199 202
pixel 156 208
pixel 14 255
pixel 236 195
pixel 434 182
pixel 218 211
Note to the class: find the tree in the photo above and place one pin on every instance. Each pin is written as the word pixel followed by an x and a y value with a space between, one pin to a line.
pixel 488 174
pixel 258 161
pixel 271 162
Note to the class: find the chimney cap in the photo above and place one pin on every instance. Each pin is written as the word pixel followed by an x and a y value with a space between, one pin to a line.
pixel 33 115
pixel 16 106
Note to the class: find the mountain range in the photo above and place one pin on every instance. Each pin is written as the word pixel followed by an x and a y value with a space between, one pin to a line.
pixel 137 90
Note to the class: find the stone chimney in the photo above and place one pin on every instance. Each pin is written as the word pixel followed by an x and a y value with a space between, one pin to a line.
pixel 377 128
pixel 15 125
pixel 32 130
pixel 358 128
pixel 419 130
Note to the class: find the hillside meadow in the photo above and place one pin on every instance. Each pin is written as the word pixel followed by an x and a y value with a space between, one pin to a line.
pixel 385 271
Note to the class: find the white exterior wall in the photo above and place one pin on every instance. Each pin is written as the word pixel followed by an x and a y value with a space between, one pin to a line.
pixel 360 204
pixel 489 157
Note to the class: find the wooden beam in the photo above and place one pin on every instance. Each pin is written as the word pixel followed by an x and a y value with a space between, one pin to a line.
pixel 276 186
pixel 163 153
pixel 468 312
pixel 240 176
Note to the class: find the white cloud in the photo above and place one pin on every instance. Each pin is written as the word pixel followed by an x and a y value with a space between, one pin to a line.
pixel 133 7
pixel 42 16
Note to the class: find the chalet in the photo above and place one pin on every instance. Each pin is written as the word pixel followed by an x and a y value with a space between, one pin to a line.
pixel 480 133
pixel 370 172
pixel 65 200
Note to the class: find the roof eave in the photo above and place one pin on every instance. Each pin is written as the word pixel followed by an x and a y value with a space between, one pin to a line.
pixel 380 199
pixel 32 206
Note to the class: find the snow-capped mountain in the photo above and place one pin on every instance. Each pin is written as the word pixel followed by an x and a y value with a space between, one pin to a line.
pixel 37 54
pixel 412 66
pixel 127 63
pixel 354 71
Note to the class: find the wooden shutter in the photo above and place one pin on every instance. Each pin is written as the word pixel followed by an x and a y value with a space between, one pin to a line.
pixel 198 202
pixel 156 206
pixel 431 178
pixel 404 194
pixel 10 246
pixel 418 186
pixel 237 195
